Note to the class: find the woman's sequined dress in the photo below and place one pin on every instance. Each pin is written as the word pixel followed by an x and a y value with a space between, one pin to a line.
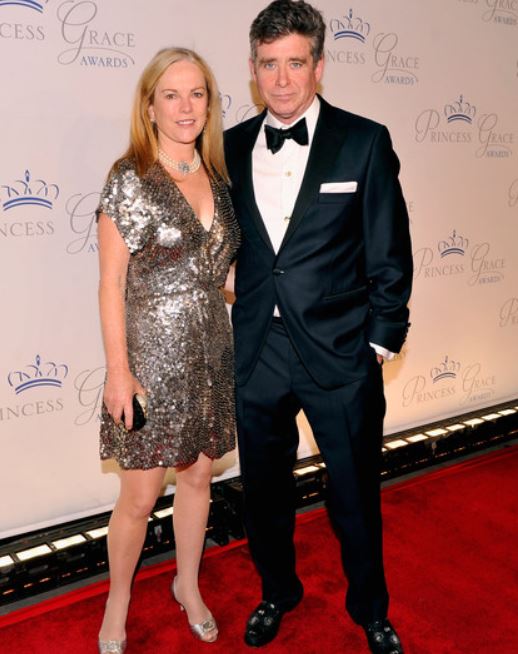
pixel 178 331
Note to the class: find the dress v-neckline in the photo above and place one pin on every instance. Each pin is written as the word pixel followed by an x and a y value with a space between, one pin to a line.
pixel 189 205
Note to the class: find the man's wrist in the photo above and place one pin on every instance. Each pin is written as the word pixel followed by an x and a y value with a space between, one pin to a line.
pixel 382 351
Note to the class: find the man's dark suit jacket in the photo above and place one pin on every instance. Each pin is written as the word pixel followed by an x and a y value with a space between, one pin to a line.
pixel 342 276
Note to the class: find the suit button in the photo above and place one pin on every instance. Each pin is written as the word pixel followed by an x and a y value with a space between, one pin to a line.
pixel 278 271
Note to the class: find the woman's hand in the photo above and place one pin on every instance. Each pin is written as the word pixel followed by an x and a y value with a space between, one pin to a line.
pixel 119 388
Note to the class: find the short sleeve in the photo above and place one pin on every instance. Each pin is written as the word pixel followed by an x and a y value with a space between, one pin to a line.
pixel 123 201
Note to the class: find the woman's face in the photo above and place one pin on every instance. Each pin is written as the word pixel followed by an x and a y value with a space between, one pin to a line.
pixel 180 105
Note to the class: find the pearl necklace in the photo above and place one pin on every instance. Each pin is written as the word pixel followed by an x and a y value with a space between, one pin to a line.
pixel 180 166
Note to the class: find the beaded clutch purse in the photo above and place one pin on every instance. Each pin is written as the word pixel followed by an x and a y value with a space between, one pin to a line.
pixel 139 412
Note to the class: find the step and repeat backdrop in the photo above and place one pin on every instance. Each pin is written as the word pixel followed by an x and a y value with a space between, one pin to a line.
pixel 442 75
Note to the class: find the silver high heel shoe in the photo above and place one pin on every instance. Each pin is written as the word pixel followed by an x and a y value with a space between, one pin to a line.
pixel 202 630
pixel 112 646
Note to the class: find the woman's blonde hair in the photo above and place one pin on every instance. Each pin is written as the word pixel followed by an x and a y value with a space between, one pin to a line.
pixel 143 147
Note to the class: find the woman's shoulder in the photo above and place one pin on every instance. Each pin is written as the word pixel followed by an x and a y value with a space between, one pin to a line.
pixel 123 183
pixel 123 177
pixel 124 168
pixel 218 180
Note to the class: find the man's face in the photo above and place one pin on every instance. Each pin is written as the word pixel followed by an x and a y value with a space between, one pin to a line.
pixel 286 76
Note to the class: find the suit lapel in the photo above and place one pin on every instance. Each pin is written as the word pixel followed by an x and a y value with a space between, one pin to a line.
pixel 326 144
pixel 248 140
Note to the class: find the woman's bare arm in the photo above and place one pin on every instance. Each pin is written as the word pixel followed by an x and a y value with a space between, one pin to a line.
pixel 113 261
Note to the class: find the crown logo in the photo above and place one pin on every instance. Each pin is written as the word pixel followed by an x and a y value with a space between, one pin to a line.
pixel 454 244
pixel 26 191
pixel 226 102
pixel 30 4
pixel 460 110
pixel 447 369
pixel 37 374
pixel 350 27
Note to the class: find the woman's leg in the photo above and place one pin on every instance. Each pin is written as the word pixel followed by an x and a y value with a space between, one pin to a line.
pixel 191 510
pixel 126 533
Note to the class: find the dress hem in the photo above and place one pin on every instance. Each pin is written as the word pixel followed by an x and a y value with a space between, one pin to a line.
pixel 167 464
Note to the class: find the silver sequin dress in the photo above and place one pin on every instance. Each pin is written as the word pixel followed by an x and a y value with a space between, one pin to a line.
pixel 178 330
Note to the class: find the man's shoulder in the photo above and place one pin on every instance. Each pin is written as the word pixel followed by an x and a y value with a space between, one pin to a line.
pixel 244 127
pixel 346 119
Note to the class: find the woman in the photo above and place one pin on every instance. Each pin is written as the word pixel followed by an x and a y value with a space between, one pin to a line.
pixel 167 235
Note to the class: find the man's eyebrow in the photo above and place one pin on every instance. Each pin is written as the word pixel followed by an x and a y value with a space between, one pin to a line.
pixel 268 60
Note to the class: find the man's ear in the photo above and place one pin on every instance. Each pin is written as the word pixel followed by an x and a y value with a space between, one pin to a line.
pixel 319 69
pixel 251 65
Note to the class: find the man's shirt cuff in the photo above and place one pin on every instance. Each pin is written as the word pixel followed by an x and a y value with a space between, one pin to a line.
pixel 386 354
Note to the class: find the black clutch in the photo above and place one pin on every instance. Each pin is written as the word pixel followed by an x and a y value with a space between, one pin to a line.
pixel 139 412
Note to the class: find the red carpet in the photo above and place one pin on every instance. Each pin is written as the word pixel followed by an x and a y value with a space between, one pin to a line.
pixel 451 560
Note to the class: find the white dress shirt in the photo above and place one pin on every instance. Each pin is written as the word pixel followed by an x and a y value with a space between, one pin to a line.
pixel 277 179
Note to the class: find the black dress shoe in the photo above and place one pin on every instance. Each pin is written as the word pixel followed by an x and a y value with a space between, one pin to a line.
pixel 264 622
pixel 382 637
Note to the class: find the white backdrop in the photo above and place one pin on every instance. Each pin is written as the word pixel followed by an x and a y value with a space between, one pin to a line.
pixel 442 75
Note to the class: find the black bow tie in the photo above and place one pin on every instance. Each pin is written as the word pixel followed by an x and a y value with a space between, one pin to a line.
pixel 275 137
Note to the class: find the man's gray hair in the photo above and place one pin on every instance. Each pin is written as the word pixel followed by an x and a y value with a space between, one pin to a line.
pixel 283 17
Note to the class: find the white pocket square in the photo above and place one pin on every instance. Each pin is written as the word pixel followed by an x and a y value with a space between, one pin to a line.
pixel 338 187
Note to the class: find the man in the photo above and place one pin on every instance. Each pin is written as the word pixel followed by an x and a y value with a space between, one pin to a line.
pixel 322 282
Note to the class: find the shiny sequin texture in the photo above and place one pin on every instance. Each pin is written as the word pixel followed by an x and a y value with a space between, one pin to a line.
pixel 178 331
